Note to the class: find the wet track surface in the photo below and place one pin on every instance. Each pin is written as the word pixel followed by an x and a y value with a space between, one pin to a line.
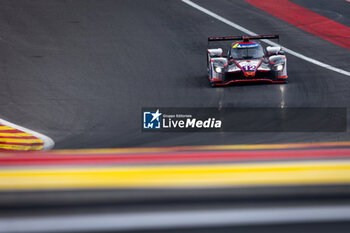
pixel 80 71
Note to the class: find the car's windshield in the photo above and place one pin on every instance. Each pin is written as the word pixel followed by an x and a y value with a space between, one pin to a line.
pixel 249 51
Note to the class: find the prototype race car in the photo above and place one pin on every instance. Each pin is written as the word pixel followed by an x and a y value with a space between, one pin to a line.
pixel 246 61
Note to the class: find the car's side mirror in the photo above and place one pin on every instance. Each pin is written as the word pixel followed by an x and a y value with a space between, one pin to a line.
pixel 215 52
pixel 274 50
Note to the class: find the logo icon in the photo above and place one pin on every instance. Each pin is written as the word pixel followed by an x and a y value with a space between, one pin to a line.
pixel 151 120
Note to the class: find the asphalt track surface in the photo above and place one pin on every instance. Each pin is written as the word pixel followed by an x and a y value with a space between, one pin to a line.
pixel 80 71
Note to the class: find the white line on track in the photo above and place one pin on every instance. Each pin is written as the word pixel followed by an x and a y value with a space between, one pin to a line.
pixel 248 32
pixel 48 142
pixel 173 220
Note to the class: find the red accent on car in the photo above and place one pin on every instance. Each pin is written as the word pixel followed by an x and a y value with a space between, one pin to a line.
pixel 250 80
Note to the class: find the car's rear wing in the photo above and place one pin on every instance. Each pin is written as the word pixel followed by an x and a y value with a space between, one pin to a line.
pixel 257 37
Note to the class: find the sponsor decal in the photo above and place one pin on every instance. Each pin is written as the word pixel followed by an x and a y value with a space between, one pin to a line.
pixel 250 45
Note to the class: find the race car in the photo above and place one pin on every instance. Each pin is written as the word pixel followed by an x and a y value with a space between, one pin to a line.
pixel 246 61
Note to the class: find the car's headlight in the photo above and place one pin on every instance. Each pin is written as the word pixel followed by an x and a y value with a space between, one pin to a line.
pixel 218 69
pixel 279 67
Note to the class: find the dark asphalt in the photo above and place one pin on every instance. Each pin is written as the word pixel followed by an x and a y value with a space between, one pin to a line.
pixel 53 202
pixel 80 71
pixel 325 227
